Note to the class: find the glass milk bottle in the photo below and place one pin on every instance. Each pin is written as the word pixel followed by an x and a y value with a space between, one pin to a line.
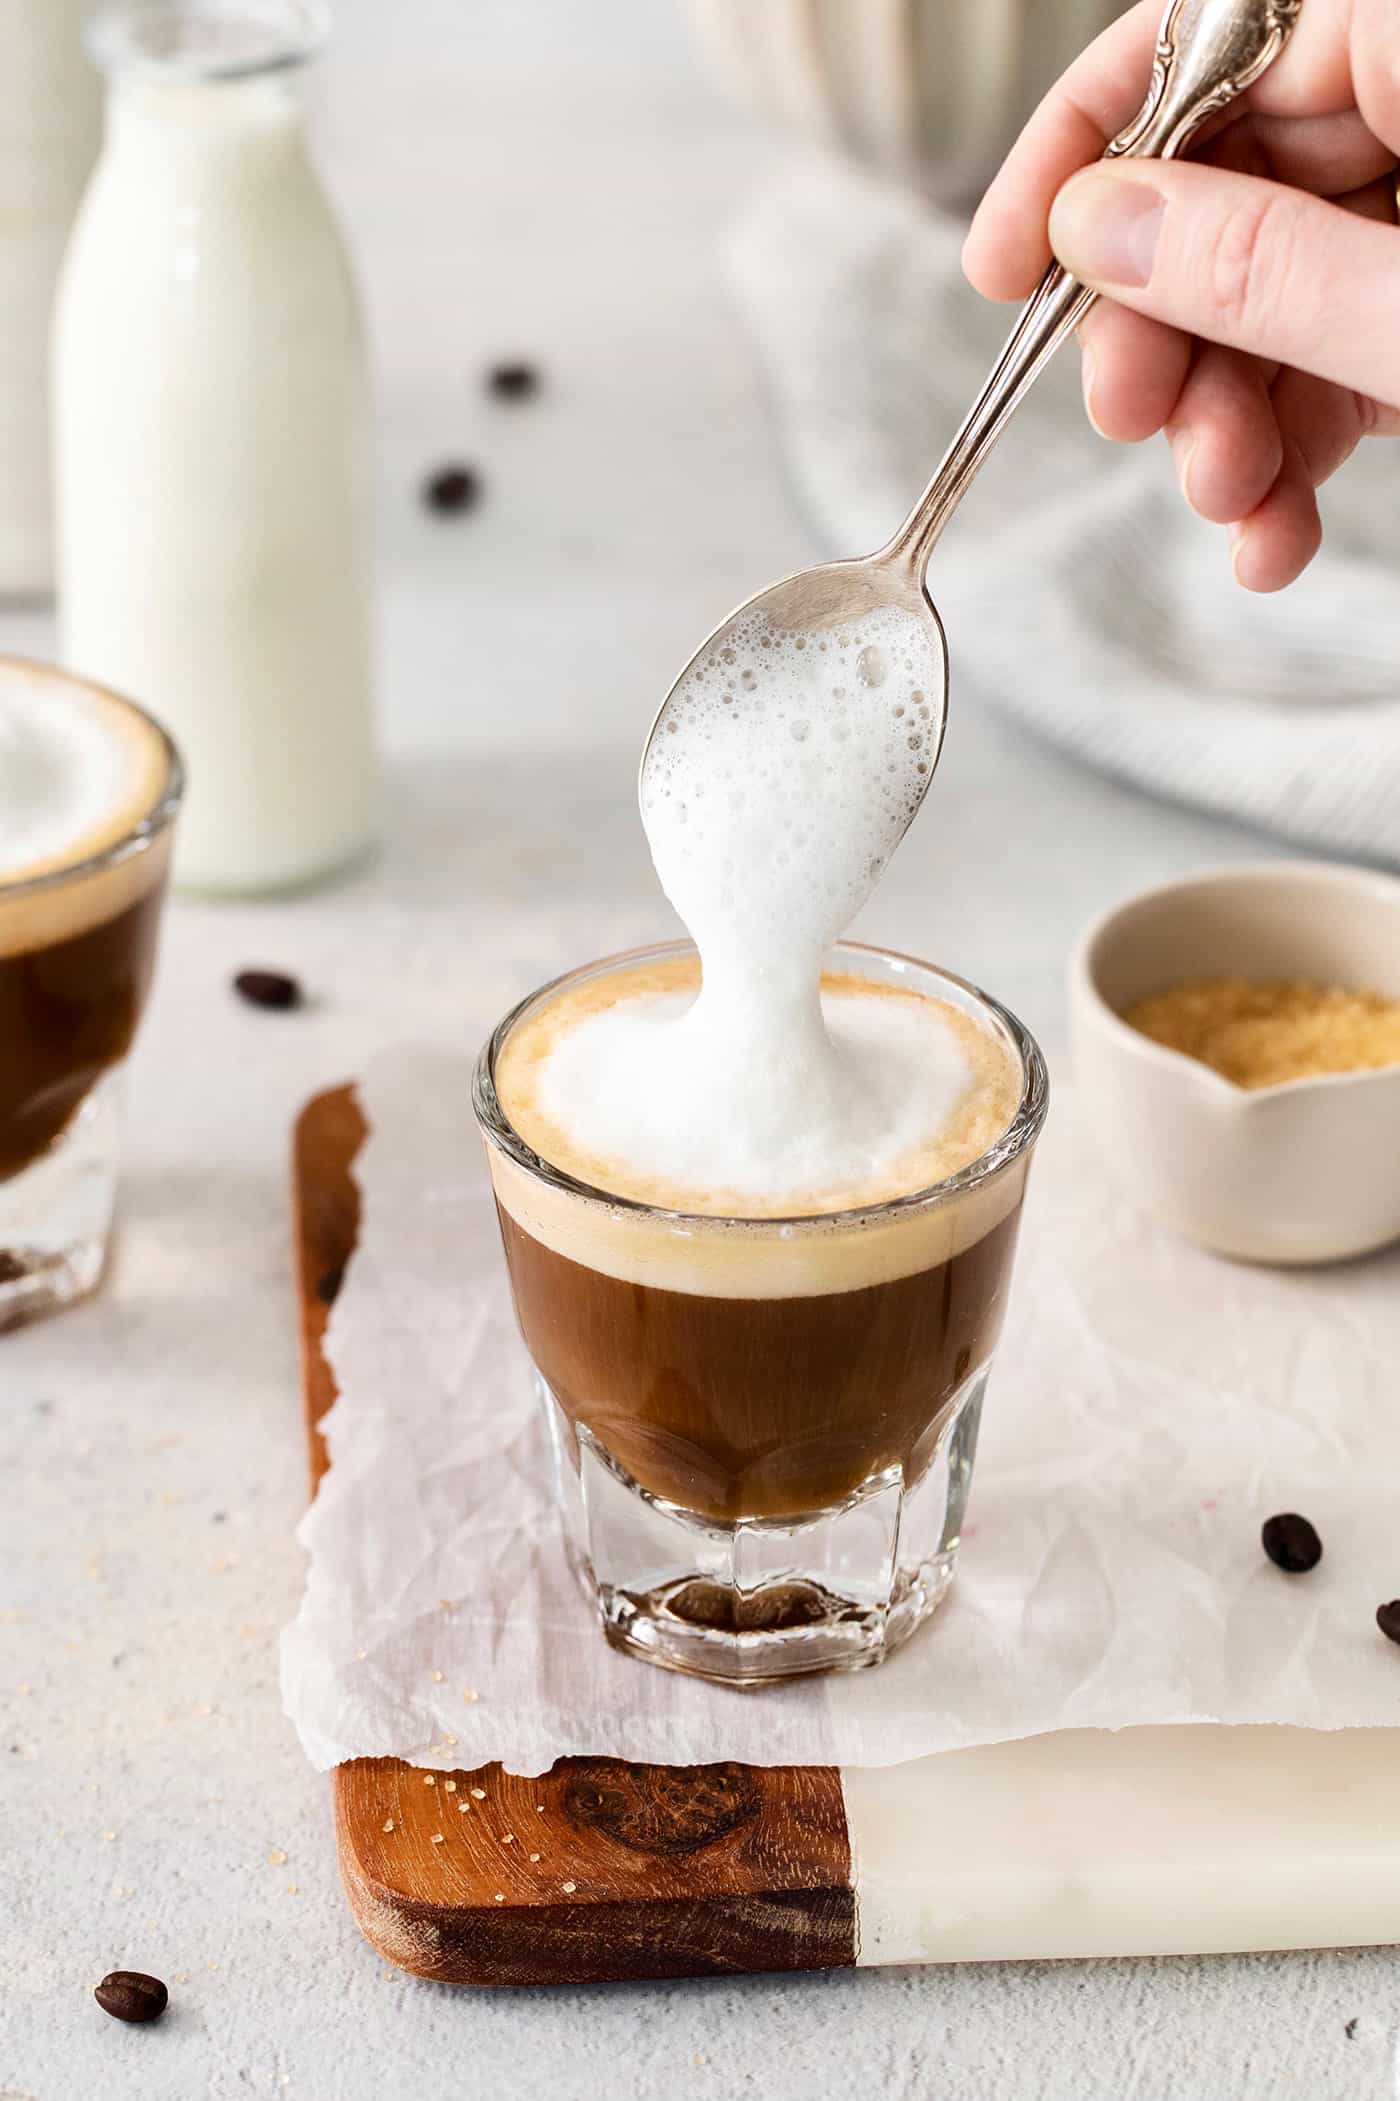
pixel 48 142
pixel 211 439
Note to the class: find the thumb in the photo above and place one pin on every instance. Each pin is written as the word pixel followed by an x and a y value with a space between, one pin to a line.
pixel 1262 268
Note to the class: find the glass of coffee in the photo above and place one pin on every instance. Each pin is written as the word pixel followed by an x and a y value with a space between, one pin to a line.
pixel 89 790
pixel 763 1425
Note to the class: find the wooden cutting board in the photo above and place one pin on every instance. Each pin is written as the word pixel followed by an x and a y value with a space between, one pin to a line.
pixel 1172 1841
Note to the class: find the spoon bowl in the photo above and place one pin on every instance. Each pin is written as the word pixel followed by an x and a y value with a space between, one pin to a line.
pixel 820 600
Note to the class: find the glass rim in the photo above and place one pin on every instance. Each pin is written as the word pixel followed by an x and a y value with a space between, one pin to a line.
pixel 139 39
pixel 142 833
pixel 1020 1134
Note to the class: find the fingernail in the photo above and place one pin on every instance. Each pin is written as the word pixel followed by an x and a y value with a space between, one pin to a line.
pixel 1087 370
pixel 1183 450
pixel 1104 227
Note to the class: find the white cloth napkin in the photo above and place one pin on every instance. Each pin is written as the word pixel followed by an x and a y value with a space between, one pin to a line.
pixel 1150 1406
pixel 1078 592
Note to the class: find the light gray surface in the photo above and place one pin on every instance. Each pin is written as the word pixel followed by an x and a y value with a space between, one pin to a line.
pixel 550 185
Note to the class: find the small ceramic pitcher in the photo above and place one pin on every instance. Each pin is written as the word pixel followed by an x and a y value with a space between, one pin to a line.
pixel 1308 1171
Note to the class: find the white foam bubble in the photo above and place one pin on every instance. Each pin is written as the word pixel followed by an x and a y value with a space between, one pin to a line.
pixel 75 766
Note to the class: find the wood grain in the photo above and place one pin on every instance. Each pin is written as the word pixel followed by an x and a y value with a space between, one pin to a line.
pixel 326 1206
pixel 642 1871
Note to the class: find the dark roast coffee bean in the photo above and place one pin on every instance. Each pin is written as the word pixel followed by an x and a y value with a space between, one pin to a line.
pixel 452 489
pixel 268 988
pixel 1291 1543
pixel 128 1996
pixel 1388 1619
pixel 515 382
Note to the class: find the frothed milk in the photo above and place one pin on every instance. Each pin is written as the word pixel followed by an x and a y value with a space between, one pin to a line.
pixel 786 772
pixel 77 769
pixel 211 428
pixel 88 789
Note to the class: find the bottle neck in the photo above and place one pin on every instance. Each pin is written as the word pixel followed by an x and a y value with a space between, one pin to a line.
pixel 196 108
pixel 206 40
pixel 189 79
pixel 189 136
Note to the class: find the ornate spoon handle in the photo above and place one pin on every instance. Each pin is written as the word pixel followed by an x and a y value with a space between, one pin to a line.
pixel 1208 52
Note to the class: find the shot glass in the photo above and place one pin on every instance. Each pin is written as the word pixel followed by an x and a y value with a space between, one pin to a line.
pixel 763 1429
pixel 77 950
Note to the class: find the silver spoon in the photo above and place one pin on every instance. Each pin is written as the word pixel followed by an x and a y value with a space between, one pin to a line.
pixel 1208 52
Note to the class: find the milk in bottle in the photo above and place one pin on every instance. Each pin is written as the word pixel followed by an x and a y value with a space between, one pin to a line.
pixel 211 432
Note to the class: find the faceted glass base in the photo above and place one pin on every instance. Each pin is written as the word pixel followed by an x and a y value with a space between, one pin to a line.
pixel 56 1217
pixel 765 1598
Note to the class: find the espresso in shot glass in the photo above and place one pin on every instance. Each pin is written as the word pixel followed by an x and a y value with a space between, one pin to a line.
pixel 89 790
pixel 764 1418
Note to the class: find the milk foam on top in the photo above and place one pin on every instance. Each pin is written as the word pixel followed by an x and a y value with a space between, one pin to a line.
pixel 937 1091
pixel 783 777
pixel 78 769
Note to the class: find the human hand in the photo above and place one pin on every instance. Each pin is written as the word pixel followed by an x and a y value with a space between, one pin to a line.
pixel 1251 305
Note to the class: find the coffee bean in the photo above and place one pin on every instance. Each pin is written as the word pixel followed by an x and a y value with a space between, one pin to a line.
pixel 11 1268
pixel 515 382
pixel 128 1996
pixel 452 489
pixel 268 988
pixel 1388 1619
pixel 1291 1543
